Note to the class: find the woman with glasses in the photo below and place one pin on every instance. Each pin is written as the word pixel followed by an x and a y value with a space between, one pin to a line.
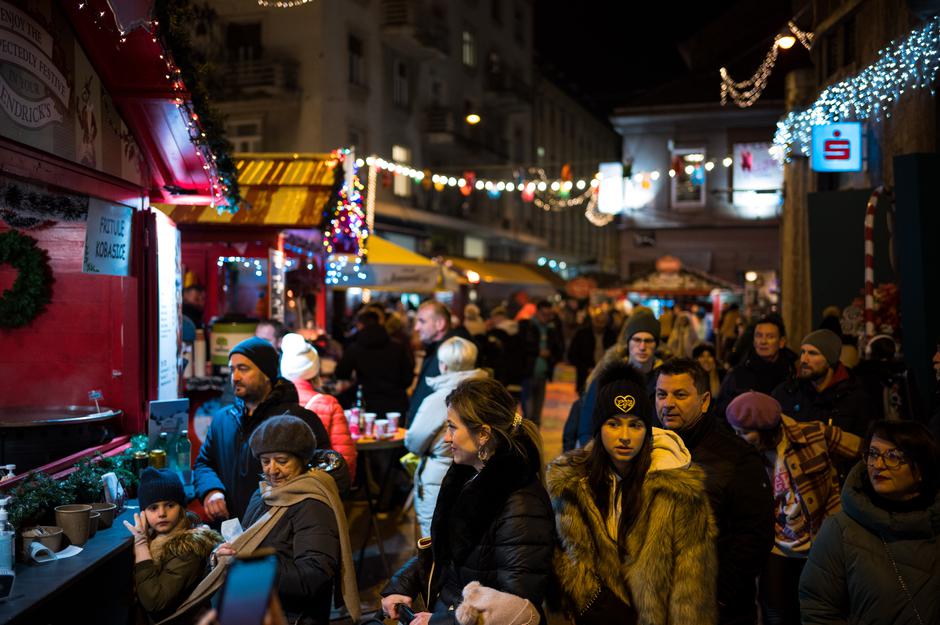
pixel 800 459
pixel 878 560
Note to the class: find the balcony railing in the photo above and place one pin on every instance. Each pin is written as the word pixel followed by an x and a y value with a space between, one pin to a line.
pixel 414 27
pixel 270 77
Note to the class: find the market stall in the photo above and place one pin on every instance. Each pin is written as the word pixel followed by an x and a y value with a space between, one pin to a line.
pixel 96 122
pixel 672 284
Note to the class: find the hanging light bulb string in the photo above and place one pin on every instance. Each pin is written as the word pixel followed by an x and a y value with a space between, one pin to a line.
pixel 911 63
pixel 746 92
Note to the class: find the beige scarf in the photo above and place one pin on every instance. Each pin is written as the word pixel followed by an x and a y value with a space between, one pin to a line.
pixel 315 485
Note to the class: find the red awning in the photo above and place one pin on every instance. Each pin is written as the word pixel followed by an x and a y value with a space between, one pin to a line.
pixel 135 74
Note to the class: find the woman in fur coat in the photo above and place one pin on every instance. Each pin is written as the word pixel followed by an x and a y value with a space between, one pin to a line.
pixel 636 534
pixel 493 520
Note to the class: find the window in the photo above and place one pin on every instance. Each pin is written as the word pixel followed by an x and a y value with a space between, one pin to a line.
pixel 688 182
pixel 400 83
pixel 401 186
pixel 243 41
pixel 469 49
pixel 356 61
pixel 245 135
pixel 518 24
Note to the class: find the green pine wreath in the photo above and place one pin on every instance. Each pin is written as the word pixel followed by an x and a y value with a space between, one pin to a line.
pixel 32 289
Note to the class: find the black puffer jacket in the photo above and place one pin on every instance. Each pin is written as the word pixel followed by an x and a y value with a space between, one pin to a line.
pixel 754 374
pixel 844 403
pixel 742 500
pixel 225 461
pixel 495 527
pixel 383 368
pixel 306 540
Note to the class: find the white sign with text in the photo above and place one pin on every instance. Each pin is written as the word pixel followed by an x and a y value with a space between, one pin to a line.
pixel 108 239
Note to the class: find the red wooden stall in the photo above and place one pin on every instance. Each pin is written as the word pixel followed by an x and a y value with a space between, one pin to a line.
pixel 117 135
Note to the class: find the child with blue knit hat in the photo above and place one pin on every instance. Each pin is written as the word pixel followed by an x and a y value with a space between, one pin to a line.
pixel 171 549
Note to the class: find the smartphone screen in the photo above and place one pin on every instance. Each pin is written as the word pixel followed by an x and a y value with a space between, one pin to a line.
pixel 247 591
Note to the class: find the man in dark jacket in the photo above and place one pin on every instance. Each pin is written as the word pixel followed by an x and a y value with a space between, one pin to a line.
pixel 768 364
pixel 589 344
pixel 824 389
pixel 503 352
pixel 432 324
pixel 735 479
pixel 226 473
pixel 383 368
pixel 544 348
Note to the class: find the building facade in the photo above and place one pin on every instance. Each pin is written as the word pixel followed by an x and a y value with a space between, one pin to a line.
pixel 700 185
pixel 398 79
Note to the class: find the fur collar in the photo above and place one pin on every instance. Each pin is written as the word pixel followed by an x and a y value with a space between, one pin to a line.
pixel 469 502
pixel 194 540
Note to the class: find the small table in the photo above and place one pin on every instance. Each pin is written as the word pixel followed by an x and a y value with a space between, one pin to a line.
pixel 365 446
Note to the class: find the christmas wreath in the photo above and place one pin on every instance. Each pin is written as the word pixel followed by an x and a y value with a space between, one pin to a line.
pixel 32 289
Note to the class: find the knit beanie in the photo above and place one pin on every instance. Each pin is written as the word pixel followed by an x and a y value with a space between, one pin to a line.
pixel 299 360
pixel 283 433
pixel 753 411
pixel 641 322
pixel 259 352
pixel 159 485
pixel 621 393
pixel 827 342
pixel 483 605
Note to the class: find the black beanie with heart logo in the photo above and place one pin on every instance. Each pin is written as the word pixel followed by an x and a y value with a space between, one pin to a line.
pixel 621 393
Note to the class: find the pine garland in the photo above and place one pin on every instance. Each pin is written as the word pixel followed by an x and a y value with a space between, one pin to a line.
pixel 26 206
pixel 176 18
pixel 32 289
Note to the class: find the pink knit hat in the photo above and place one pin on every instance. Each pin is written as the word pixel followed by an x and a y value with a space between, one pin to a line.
pixel 753 411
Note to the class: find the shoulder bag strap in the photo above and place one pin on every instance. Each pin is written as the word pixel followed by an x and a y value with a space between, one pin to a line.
pixel 901 581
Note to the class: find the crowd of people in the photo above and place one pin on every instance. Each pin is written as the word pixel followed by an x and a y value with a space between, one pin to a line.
pixel 739 484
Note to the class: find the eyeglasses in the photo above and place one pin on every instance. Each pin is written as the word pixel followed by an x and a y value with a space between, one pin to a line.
pixel 643 341
pixel 892 458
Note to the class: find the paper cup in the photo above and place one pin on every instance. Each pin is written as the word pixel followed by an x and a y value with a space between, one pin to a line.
pixel 393 419
pixel 370 423
pixel 75 521
pixel 381 428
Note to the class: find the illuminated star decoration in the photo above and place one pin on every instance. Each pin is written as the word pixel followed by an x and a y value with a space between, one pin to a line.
pixel 344 238
pixel 910 64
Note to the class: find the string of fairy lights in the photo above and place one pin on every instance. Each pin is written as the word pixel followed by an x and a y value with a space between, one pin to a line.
pixel 909 64
pixel 746 92
pixel 219 188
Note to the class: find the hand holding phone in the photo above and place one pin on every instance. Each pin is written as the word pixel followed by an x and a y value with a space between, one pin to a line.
pixel 405 613
pixel 246 593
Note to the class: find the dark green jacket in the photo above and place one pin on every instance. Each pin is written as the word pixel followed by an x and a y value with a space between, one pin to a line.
pixel 850 578
pixel 162 585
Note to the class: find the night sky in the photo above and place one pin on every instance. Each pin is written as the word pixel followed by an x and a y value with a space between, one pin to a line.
pixel 610 53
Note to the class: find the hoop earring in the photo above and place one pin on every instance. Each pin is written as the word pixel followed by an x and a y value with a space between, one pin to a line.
pixel 482 454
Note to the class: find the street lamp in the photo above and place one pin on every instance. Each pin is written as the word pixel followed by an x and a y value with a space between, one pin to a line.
pixel 473 119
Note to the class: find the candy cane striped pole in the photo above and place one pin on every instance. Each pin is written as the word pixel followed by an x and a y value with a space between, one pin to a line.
pixel 870 263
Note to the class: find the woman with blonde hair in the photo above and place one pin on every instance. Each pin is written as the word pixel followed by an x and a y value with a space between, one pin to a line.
pixel 425 435
pixel 493 520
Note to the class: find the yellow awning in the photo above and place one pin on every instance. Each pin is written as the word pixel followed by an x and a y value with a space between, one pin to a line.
pixel 280 190
pixel 498 273
pixel 384 252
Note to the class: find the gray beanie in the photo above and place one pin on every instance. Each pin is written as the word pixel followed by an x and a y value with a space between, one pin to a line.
pixel 827 342
pixel 641 322
pixel 283 433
